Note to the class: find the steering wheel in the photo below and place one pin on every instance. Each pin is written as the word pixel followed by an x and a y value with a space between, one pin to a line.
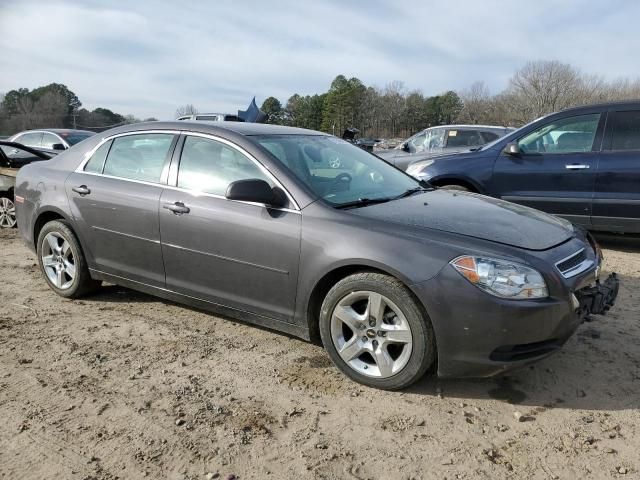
pixel 343 178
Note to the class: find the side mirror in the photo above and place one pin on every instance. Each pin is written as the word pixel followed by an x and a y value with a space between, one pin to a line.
pixel 405 147
pixel 257 191
pixel 58 146
pixel 512 149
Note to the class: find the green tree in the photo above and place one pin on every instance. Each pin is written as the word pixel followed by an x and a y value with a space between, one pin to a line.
pixel 273 108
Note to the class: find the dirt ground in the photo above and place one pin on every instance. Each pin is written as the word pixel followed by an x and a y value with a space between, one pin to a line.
pixel 123 385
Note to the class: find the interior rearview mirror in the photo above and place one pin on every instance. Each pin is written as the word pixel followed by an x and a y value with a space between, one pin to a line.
pixel 257 191
pixel 512 149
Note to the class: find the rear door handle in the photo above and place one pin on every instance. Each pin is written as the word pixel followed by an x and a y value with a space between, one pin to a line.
pixel 82 190
pixel 576 166
pixel 177 207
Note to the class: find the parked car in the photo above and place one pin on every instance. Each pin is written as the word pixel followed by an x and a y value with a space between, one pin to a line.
pixel 211 117
pixel 435 141
pixel 51 139
pixel 12 157
pixel 235 218
pixel 582 164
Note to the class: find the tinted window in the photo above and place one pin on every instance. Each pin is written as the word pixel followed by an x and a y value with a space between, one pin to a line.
pixel 96 163
pixel 75 137
pixel 139 157
pixel 336 170
pixel 49 140
pixel 489 136
pixel 463 138
pixel 211 118
pixel 32 139
pixel 567 135
pixel 209 166
pixel 626 130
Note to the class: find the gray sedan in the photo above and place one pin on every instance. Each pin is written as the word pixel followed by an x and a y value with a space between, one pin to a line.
pixel 249 221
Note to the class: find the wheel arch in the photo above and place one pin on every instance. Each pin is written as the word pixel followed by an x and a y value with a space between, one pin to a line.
pixel 45 216
pixel 461 181
pixel 333 276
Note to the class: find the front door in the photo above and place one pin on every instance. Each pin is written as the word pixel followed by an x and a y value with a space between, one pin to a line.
pixel 115 200
pixel 237 254
pixel 556 169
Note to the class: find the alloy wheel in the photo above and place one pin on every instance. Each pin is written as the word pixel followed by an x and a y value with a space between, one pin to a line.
pixel 7 213
pixel 371 334
pixel 58 260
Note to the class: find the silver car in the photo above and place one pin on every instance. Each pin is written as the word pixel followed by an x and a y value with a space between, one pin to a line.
pixel 439 140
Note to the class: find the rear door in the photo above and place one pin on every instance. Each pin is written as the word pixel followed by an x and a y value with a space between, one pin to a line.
pixel 556 169
pixel 237 254
pixel 616 203
pixel 115 197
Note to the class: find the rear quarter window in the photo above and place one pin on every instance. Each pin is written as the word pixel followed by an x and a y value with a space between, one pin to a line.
pixel 625 130
pixel 96 162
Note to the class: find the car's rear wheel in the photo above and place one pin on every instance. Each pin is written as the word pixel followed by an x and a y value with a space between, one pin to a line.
pixel 7 212
pixel 62 261
pixel 375 332
pixel 459 188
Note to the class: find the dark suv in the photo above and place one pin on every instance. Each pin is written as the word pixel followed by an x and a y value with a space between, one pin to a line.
pixel 582 164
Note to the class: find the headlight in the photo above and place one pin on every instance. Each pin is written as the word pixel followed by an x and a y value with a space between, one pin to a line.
pixel 502 278
pixel 415 170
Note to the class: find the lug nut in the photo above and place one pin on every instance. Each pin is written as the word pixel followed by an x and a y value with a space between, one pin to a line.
pixel 364 338
pixel 372 323
pixel 375 343
pixel 381 333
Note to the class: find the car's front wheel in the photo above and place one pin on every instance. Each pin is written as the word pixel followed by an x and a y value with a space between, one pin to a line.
pixel 375 332
pixel 62 262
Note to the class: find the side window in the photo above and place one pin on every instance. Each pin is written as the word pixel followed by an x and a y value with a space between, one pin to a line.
pixel 625 130
pixel 463 138
pixel 139 157
pixel 416 144
pixel 32 139
pixel 49 140
pixel 436 139
pixel 96 163
pixel 567 135
pixel 489 136
pixel 209 166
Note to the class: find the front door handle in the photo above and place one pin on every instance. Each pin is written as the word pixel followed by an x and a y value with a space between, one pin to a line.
pixel 576 166
pixel 177 207
pixel 82 190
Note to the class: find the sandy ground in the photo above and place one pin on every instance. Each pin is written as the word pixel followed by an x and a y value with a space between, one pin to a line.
pixel 123 385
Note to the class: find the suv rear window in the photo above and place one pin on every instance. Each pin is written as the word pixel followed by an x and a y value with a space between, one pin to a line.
pixel 626 130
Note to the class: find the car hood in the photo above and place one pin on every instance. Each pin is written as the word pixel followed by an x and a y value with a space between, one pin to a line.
pixel 476 216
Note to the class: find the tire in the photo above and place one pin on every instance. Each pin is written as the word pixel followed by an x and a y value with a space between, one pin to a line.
pixel 7 212
pixel 58 251
pixel 375 331
pixel 458 188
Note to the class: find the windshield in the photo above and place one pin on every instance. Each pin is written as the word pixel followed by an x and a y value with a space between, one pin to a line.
pixel 338 171
pixel 76 137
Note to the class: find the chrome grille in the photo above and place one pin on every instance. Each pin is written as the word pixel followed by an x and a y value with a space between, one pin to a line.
pixel 574 264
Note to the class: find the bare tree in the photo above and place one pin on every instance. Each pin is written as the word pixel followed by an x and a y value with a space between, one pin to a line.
pixel 477 103
pixel 187 109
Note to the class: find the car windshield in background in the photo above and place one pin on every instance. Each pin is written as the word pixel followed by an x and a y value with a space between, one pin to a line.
pixel 73 138
pixel 337 171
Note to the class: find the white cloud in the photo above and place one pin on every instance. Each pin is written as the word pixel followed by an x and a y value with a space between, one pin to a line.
pixel 148 57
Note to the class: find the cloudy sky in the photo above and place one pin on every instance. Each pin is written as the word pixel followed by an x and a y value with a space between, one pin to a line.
pixel 148 57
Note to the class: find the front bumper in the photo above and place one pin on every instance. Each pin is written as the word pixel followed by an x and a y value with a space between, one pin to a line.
pixel 480 335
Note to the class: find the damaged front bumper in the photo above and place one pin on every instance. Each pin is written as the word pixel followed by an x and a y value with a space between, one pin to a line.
pixel 597 299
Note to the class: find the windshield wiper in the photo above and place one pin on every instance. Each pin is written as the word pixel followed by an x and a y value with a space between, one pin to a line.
pixel 363 202
pixel 411 191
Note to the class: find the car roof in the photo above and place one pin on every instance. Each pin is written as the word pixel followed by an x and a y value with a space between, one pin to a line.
pixel 242 128
pixel 470 127
pixel 635 104
pixel 56 130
